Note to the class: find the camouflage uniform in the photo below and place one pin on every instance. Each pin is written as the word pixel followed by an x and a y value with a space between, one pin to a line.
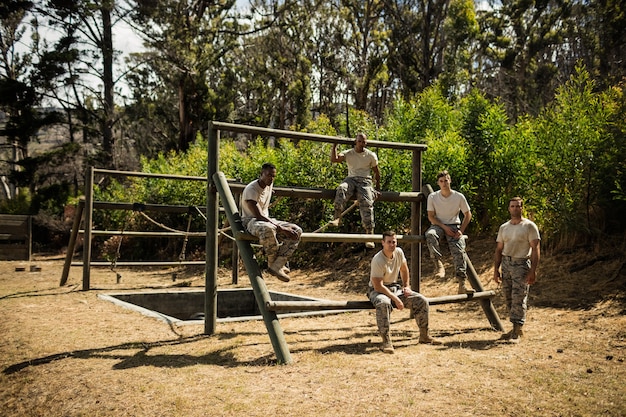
pixel 273 244
pixel 457 248
pixel 365 196
pixel 515 287
pixel 416 302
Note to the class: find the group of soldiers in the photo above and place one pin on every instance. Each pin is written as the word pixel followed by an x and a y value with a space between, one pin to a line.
pixel 515 261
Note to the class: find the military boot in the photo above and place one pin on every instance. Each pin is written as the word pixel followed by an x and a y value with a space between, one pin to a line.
pixel 516 334
pixel 440 271
pixel 369 245
pixel 425 338
pixel 277 268
pixel 386 346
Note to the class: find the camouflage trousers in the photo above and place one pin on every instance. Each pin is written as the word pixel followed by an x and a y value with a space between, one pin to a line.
pixel 416 302
pixel 274 245
pixel 364 194
pixel 456 246
pixel 515 287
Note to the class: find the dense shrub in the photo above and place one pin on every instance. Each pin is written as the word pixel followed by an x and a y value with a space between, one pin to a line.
pixel 567 163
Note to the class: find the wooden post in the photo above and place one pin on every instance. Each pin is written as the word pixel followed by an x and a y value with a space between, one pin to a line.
pixel 88 226
pixel 72 243
pixel 416 221
pixel 486 304
pixel 210 291
pixel 261 294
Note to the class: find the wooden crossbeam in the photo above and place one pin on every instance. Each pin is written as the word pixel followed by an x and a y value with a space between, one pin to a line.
pixel 319 305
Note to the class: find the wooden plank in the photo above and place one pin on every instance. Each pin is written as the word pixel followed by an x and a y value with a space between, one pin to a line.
pixel 366 304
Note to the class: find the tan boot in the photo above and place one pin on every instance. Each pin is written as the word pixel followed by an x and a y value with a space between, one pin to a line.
pixel 277 268
pixel 516 335
pixel 507 335
pixel 440 271
pixel 465 290
pixel 336 222
pixel 386 346
pixel 369 245
pixel 425 338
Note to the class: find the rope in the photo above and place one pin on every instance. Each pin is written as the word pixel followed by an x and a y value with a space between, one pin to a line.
pixel 346 211
pixel 181 257
pixel 161 225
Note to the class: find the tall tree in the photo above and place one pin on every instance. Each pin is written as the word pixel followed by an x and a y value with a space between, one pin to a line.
pixel 187 42
pixel 521 41
pixel 85 48
pixel 417 41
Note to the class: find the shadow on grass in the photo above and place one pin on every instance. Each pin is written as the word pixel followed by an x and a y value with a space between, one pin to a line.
pixel 141 358
pixel 226 357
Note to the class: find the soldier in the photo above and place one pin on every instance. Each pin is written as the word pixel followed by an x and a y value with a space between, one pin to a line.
pixel 517 251
pixel 443 209
pixel 278 238
pixel 360 162
pixel 385 292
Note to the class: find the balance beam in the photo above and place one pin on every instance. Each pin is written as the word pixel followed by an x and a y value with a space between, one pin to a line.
pixel 282 306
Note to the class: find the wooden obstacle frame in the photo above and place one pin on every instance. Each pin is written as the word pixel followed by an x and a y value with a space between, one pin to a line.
pixel 218 184
pixel 219 188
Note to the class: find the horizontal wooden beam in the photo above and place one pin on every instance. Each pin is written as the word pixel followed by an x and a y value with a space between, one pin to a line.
pixel 318 305
pixel 262 131
pixel 141 263
pixel 329 194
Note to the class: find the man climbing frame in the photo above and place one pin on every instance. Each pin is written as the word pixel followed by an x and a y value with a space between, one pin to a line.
pixel 361 162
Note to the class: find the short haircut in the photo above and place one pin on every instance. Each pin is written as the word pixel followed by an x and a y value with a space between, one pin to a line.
pixel 389 233
pixel 360 134
pixel 442 174
pixel 519 199
pixel 267 166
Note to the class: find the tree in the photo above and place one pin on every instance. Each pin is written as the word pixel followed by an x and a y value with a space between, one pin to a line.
pixel 187 43
pixel 84 50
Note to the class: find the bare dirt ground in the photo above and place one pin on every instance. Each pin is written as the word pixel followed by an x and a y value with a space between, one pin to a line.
pixel 65 352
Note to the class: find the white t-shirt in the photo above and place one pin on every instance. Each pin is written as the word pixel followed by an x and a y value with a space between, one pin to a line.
pixel 517 238
pixel 387 268
pixel 360 164
pixel 447 209
pixel 253 191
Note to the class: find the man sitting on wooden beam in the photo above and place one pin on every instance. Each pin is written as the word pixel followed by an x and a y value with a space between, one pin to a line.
pixel 278 238
pixel 385 292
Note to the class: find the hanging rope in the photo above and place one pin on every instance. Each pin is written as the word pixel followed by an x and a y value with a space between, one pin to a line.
pixel 119 246
pixel 161 225
pixel 181 257
pixel 346 211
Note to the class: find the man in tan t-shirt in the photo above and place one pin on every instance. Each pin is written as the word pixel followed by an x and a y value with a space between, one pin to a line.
pixel 361 162
pixel 517 252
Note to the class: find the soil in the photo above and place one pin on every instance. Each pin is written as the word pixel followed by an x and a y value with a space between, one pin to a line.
pixel 66 352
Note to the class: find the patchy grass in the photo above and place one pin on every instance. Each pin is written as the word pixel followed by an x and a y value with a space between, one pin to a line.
pixel 64 352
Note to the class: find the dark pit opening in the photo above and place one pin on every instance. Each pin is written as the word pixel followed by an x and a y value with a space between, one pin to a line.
pixel 188 306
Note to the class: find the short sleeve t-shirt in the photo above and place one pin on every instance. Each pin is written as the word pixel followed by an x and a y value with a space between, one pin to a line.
pixel 387 268
pixel 360 164
pixel 253 191
pixel 447 209
pixel 517 238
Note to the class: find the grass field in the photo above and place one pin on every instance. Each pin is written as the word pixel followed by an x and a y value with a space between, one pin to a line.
pixel 65 352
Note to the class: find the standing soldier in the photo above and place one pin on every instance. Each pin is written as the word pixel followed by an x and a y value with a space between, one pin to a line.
pixel 517 251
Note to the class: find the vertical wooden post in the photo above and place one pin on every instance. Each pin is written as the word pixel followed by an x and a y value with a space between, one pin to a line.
pixel 485 303
pixel 210 291
pixel 88 226
pixel 235 254
pixel 78 215
pixel 416 221
pixel 261 294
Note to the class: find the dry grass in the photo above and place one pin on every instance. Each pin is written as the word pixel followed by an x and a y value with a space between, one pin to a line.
pixel 64 352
